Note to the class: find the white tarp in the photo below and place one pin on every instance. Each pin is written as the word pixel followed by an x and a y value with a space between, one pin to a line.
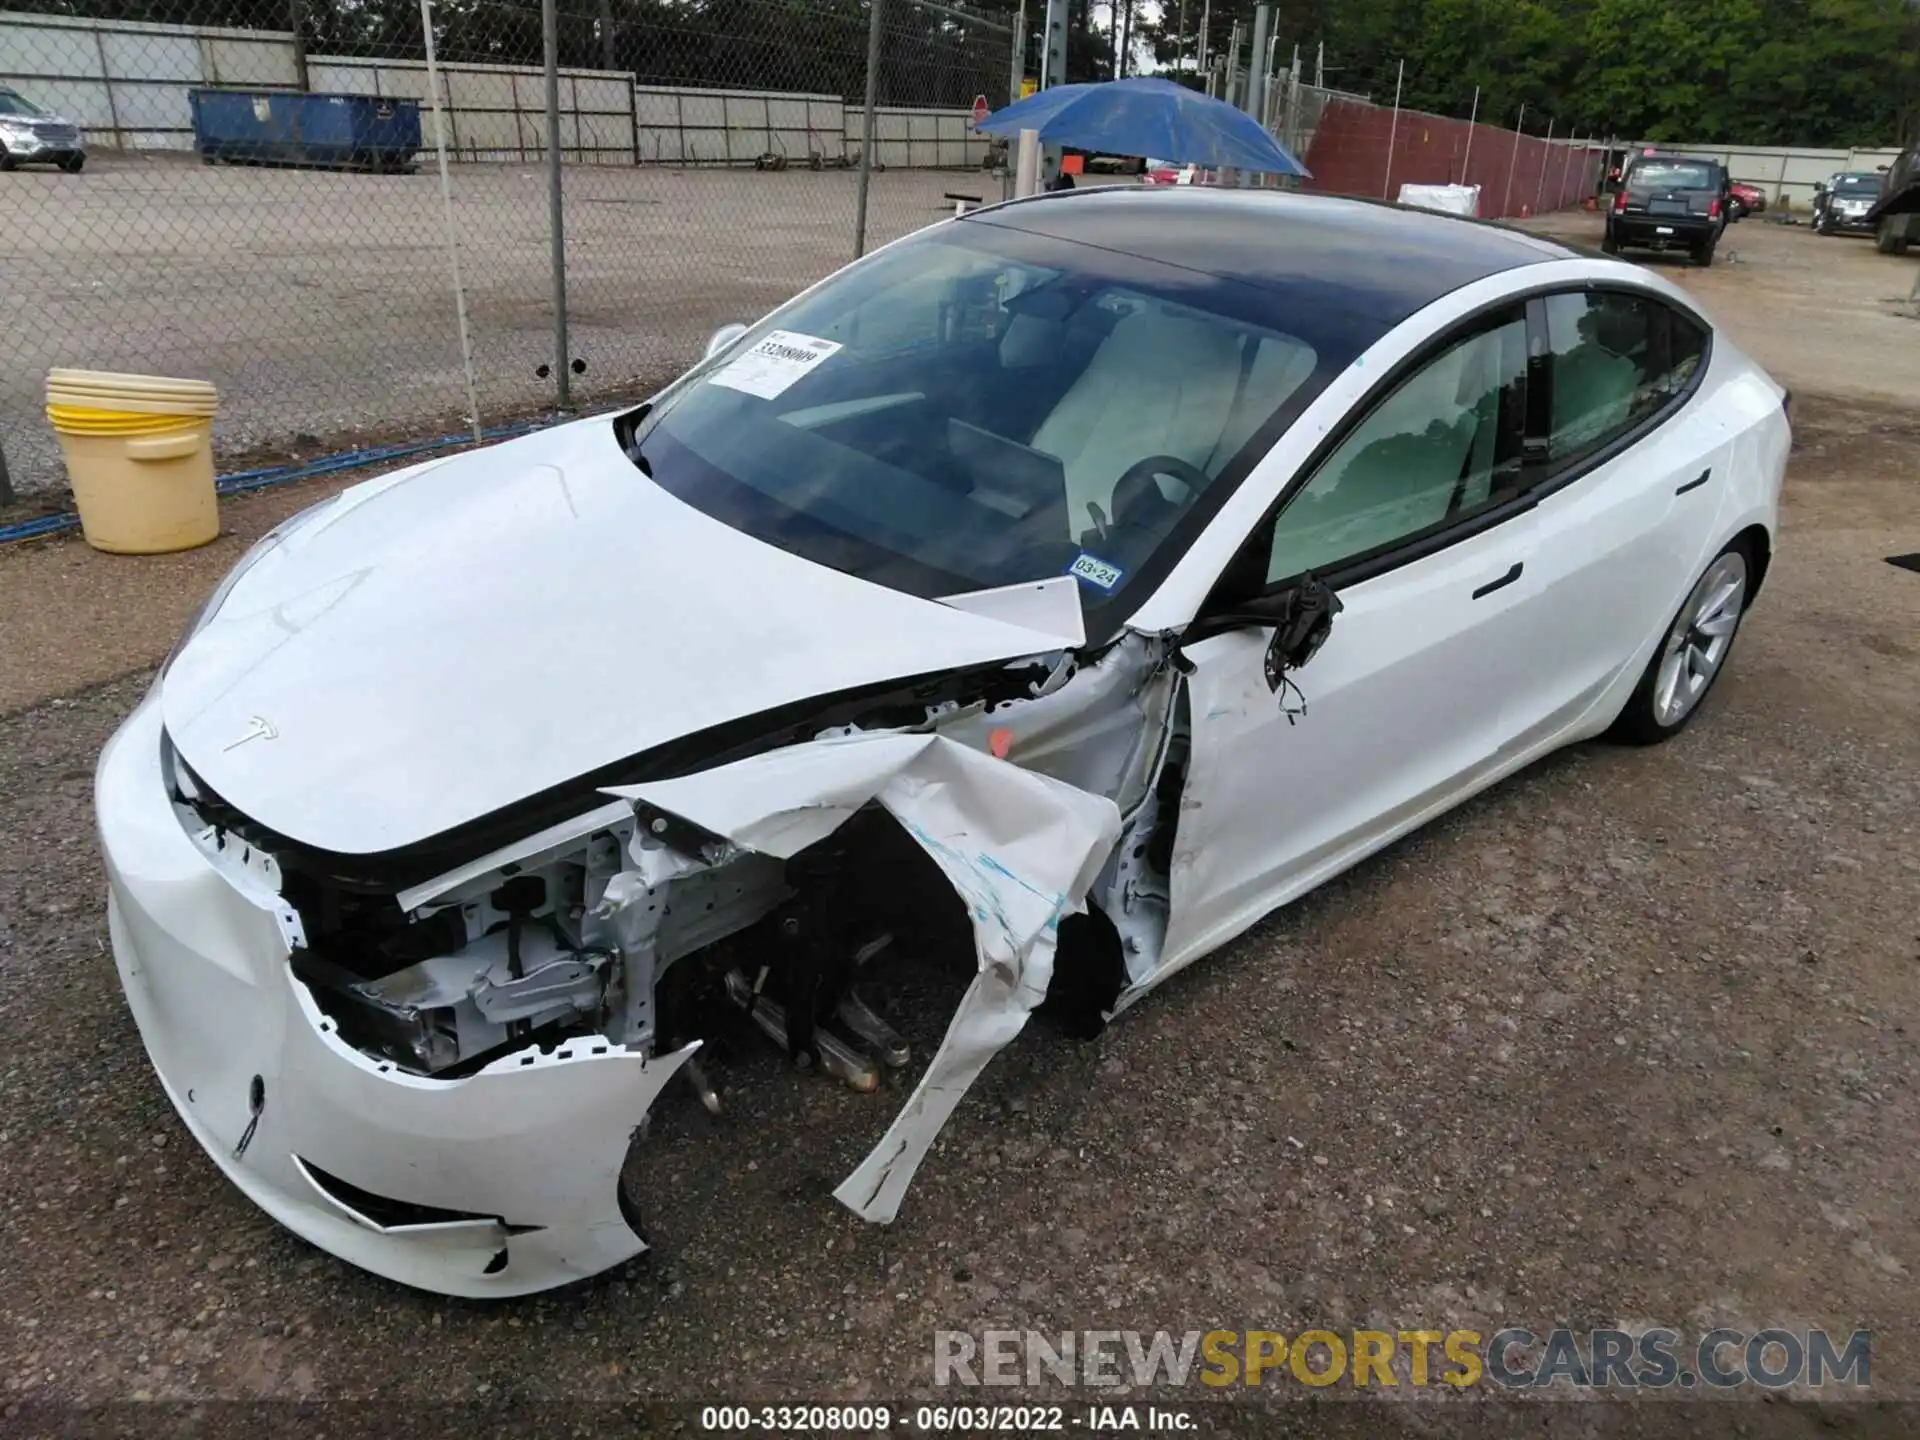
pixel 1020 848
pixel 1450 199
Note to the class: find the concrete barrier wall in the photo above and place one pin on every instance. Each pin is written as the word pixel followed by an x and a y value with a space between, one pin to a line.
pixel 1787 175
pixel 126 85
pixel 499 112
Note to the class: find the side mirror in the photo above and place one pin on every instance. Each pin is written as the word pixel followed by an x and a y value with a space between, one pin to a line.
pixel 1303 618
pixel 722 338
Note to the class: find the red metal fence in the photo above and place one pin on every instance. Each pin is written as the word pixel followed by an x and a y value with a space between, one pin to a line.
pixel 1358 149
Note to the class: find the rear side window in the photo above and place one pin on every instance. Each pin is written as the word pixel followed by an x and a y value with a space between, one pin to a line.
pixel 1618 360
pixel 1675 175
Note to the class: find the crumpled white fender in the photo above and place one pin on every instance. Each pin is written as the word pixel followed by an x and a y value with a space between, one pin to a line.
pixel 1021 849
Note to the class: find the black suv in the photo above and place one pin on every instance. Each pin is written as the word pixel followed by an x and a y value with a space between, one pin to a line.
pixel 1669 202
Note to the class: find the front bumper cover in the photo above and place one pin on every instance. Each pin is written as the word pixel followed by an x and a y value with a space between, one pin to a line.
pixel 508 1179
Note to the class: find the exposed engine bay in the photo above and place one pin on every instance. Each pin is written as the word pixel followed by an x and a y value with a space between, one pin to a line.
pixel 779 883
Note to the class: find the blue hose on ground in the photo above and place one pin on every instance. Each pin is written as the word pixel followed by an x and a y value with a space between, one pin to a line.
pixel 245 480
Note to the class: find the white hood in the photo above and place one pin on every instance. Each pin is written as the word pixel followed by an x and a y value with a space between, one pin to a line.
pixel 435 646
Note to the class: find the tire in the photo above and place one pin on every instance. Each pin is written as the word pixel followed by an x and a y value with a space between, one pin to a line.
pixel 1703 254
pixel 1824 226
pixel 1607 242
pixel 1891 238
pixel 7 162
pixel 72 164
pixel 1679 657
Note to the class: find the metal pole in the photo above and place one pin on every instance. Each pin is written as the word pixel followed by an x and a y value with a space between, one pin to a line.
pixel 1471 119
pixel 1018 71
pixel 556 206
pixel 1566 164
pixel 446 211
pixel 875 13
pixel 298 26
pixel 1541 189
pixel 1393 133
pixel 1180 40
pixel 7 496
pixel 1257 60
pixel 1053 71
pixel 1206 28
pixel 1507 198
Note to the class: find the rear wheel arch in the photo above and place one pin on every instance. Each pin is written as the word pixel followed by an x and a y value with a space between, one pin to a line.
pixel 1758 544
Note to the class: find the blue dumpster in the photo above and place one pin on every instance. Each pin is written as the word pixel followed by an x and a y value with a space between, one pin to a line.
pixel 284 127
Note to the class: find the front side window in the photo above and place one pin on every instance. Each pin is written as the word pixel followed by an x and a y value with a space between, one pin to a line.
pixel 1617 360
pixel 1447 442
pixel 12 104
pixel 982 406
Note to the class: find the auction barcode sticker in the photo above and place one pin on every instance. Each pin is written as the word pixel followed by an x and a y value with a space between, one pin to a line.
pixel 775 362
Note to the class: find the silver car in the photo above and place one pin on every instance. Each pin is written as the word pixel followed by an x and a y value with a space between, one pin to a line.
pixel 32 136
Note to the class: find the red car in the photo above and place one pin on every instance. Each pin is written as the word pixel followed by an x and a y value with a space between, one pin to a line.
pixel 1747 199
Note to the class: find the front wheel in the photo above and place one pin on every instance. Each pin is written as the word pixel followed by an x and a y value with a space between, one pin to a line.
pixel 1691 656
pixel 72 163
pixel 1823 226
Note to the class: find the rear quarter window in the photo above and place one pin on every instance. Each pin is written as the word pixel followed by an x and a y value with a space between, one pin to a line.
pixel 1618 360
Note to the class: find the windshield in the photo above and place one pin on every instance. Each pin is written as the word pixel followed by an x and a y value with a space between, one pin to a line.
pixel 12 104
pixel 1675 175
pixel 1856 184
pixel 980 406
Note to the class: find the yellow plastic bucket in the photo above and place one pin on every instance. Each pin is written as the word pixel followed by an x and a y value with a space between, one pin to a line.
pixel 139 452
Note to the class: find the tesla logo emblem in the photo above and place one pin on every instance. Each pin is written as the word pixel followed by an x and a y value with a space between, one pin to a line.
pixel 260 728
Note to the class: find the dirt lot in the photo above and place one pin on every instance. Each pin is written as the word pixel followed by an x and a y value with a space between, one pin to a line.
pixel 320 302
pixel 1629 1039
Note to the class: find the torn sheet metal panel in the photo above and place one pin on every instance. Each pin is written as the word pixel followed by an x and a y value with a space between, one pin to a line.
pixel 1020 848
pixel 1102 729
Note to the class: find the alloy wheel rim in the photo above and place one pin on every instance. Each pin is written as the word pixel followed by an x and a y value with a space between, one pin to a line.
pixel 1700 639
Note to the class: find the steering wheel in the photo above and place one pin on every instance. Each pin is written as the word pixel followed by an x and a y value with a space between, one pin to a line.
pixel 1135 493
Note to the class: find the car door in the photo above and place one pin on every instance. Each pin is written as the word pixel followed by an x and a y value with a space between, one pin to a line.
pixel 1628 499
pixel 1417 517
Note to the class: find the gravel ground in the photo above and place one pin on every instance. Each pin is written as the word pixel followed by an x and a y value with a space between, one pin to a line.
pixel 1628 1039
pixel 320 303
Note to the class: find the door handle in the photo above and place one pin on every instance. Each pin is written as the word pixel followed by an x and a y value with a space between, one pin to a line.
pixel 1697 481
pixel 1500 584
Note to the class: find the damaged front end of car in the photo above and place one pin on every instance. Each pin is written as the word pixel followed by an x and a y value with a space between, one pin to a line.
pixel 434 1066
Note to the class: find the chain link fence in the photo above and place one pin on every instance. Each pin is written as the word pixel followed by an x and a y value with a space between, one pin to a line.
pixel 253 210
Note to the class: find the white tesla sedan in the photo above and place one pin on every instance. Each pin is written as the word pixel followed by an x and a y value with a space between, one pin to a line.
pixel 1128 562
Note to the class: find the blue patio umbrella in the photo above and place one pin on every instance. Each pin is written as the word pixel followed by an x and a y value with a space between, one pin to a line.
pixel 1147 116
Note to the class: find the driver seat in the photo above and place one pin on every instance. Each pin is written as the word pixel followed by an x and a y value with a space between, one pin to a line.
pixel 1161 383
